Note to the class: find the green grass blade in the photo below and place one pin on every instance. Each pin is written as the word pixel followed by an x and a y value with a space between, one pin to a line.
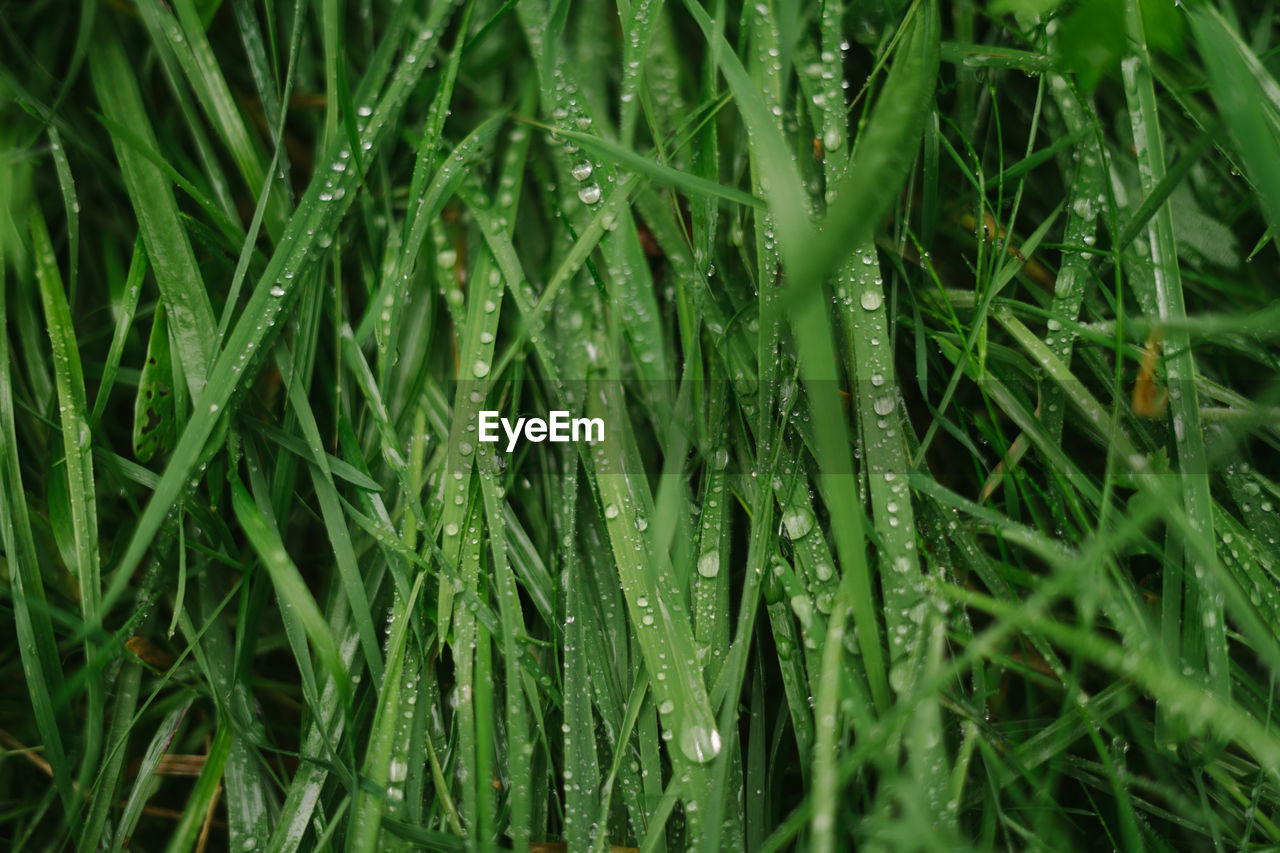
pixel 168 247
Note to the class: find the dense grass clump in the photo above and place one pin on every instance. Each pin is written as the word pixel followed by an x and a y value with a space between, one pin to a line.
pixel 935 349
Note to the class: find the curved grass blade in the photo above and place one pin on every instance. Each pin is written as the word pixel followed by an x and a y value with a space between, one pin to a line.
pixel 168 246
pixel 77 442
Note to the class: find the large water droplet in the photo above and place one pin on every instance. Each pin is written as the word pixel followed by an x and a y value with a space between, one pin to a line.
pixel 699 743
pixel 590 194
pixel 871 299
pixel 709 564
pixel 581 170
pixel 798 520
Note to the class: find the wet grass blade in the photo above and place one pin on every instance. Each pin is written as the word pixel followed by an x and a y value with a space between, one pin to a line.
pixel 1203 629
pixel 33 626
pixel 168 247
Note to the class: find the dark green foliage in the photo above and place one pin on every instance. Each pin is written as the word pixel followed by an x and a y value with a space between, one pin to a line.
pixel 936 507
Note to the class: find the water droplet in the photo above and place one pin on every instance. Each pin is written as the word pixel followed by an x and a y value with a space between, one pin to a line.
pixel 883 405
pixel 611 511
pixel 277 291
pixel 871 299
pixel 581 170
pixel 699 743
pixel 709 564
pixel 480 368
pixel 798 520
pixel 590 194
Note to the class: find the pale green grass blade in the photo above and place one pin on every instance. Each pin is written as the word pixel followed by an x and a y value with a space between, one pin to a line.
pixel 77 444
pixel 168 247
pixel 1204 629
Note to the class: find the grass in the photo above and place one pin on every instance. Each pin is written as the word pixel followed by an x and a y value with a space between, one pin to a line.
pixel 936 345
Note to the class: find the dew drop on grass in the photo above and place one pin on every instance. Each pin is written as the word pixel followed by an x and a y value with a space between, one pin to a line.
pixel 480 368
pixel 451 529
pixel 581 170
pixel 709 564
pixel 277 291
pixel 871 299
pixel 699 743
pixel 590 194
pixel 611 511
pixel 798 520
pixel 883 405
pixel 666 707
